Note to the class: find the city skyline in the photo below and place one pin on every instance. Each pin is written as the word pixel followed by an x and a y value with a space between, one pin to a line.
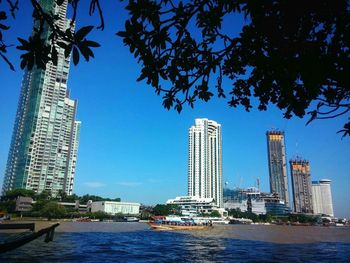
pixel 43 151
pixel 132 148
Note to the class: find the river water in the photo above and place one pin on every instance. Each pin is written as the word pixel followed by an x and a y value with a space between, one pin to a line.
pixel 135 242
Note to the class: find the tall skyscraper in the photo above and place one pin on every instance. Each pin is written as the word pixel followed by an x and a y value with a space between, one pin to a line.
pixel 276 152
pixel 322 197
pixel 205 160
pixel 301 184
pixel 45 138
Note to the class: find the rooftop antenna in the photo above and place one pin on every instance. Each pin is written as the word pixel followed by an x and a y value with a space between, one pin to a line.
pixel 297 154
pixel 296 148
pixel 240 182
pixel 258 183
pixel 286 121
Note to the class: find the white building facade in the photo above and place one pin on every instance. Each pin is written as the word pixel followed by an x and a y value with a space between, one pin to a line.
pixel 69 180
pixel 322 197
pixel 193 205
pixel 113 208
pixel 205 161
pixel 257 206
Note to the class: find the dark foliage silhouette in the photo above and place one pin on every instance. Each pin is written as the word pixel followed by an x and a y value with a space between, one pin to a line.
pixel 293 54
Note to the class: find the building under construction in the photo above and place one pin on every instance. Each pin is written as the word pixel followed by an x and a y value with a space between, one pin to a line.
pixel 301 185
pixel 252 200
pixel 276 152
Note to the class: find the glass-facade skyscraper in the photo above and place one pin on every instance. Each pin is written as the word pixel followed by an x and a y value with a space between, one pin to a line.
pixel 43 150
pixel 276 152
pixel 205 160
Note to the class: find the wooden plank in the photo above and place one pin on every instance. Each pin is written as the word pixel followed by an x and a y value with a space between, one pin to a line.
pixel 7 246
pixel 30 226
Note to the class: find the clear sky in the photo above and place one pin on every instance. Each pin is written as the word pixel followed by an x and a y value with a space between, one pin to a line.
pixel 132 148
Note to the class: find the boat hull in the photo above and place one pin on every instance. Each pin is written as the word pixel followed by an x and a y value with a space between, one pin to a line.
pixel 166 227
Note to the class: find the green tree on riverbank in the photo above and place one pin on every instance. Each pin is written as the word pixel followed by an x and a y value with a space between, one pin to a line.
pixel 62 196
pixel 13 194
pixel 268 218
pixel 53 210
pixel 212 214
pixel 45 205
pixel 165 210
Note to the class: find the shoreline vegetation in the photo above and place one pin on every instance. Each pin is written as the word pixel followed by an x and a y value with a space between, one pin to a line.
pixel 45 207
pixel 54 220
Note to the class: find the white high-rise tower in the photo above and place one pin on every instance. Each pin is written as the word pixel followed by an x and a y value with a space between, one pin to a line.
pixel 205 160
pixel 322 197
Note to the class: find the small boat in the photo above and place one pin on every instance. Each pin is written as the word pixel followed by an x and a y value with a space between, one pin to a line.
pixel 23 238
pixel 178 223
pixel 131 219
pixel 170 227
pixel 241 221
pixel 220 221
pixel 86 219
pixel 300 224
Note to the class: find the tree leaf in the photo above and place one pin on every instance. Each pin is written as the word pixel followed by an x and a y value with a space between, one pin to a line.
pixel 59 2
pixel 67 50
pixel 23 62
pixel 54 56
pixel 75 56
pixel 3 27
pixel 82 32
pixel 8 62
pixel 25 44
pixel 85 51
pixel 122 34
pixel 313 116
pixel 61 44
pixel 92 43
pixel 3 15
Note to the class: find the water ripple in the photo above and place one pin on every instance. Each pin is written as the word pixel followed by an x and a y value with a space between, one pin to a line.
pixel 143 245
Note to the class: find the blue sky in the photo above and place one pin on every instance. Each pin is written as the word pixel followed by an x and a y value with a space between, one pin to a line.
pixel 132 148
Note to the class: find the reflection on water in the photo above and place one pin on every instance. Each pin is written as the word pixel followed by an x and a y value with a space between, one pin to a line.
pixel 101 227
pixel 135 242
pixel 280 234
